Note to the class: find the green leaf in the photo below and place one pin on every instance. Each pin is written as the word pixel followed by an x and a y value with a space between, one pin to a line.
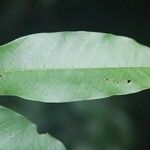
pixel 71 66
pixel 17 133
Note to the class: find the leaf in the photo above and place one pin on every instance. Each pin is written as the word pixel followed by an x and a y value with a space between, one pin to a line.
pixel 16 133
pixel 71 66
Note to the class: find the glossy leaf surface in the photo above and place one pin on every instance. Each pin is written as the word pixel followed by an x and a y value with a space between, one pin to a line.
pixel 71 66
pixel 16 133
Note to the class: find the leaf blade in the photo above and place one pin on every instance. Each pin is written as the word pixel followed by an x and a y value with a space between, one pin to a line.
pixel 17 132
pixel 71 66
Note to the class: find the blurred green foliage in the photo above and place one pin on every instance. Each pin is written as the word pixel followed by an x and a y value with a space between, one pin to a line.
pixel 97 124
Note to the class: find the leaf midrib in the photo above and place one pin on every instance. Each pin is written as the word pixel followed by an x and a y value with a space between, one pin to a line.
pixel 63 69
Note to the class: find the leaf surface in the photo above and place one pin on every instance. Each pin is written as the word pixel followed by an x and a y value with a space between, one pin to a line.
pixel 71 66
pixel 16 133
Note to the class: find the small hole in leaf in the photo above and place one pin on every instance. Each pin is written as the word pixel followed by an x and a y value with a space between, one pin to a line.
pixel 106 79
pixel 128 81
pixel 41 131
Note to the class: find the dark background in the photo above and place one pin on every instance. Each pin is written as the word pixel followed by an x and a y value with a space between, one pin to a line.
pixel 116 123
